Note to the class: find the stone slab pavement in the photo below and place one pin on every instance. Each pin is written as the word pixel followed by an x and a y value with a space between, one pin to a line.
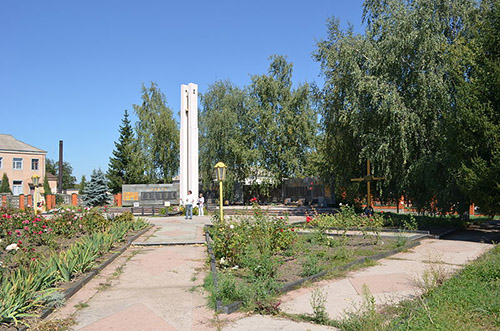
pixel 148 288
pixel 401 276
pixel 158 287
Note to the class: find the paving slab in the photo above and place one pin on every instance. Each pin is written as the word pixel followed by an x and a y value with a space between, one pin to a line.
pixel 177 229
pixel 159 280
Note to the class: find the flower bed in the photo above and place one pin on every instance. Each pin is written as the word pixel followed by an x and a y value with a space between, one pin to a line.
pixel 258 255
pixel 39 253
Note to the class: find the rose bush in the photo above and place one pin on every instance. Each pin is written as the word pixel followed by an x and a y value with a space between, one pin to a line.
pixel 232 237
pixel 347 218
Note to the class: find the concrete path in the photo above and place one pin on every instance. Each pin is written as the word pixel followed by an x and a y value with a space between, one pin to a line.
pixel 154 286
pixel 149 287
pixel 401 276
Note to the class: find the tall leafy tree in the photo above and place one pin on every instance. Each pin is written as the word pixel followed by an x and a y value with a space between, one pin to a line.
pixel 225 134
pixel 476 122
pixel 284 122
pixel 68 180
pixel 157 137
pixel 120 164
pixel 388 95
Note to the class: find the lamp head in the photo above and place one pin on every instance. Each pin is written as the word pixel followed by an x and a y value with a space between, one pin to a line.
pixel 220 171
pixel 36 180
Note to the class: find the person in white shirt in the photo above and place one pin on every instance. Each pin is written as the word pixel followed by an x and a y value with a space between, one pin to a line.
pixel 201 202
pixel 189 205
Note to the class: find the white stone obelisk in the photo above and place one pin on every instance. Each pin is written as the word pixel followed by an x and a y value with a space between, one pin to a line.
pixel 188 175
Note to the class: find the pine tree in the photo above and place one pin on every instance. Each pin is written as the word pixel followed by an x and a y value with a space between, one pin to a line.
pixel 4 186
pixel 119 171
pixel 96 191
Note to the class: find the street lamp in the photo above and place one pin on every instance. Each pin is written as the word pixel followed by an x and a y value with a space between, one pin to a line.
pixel 220 174
pixel 36 181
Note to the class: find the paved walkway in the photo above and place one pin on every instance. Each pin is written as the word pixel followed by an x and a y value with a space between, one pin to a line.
pixel 401 276
pixel 158 287
pixel 148 287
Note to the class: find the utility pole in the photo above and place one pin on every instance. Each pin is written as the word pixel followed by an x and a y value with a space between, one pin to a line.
pixel 59 180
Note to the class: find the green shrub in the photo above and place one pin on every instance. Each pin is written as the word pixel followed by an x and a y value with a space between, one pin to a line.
pixel 231 238
pixel 228 290
pixel 311 266
pixel 347 218
pixel 259 264
pixel 125 217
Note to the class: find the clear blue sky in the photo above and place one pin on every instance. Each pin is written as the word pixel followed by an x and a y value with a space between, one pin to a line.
pixel 69 69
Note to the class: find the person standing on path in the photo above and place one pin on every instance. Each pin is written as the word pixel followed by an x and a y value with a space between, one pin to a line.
pixel 201 203
pixel 189 205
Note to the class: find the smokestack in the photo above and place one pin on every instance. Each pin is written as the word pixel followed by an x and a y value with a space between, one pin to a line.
pixel 59 181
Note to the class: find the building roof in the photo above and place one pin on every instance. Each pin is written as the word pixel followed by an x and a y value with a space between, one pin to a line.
pixel 51 177
pixel 11 144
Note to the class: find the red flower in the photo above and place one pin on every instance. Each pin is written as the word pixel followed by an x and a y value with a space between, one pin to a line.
pixel 253 199
pixel 371 219
pixel 20 242
pixel 292 229
pixel 381 211
pixel 33 258
pixel 9 232
pixel 281 230
pixel 308 219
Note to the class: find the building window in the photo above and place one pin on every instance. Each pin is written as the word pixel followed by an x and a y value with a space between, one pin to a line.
pixel 17 187
pixel 1 162
pixel 34 164
pixel 17 163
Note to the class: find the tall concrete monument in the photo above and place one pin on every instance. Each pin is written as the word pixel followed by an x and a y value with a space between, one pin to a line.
pixel 188 175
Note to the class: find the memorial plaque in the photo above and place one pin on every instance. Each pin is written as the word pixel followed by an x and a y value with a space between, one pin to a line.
pixel 150 194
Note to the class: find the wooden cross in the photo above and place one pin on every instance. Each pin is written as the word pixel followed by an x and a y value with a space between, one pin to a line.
pixel 368 179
